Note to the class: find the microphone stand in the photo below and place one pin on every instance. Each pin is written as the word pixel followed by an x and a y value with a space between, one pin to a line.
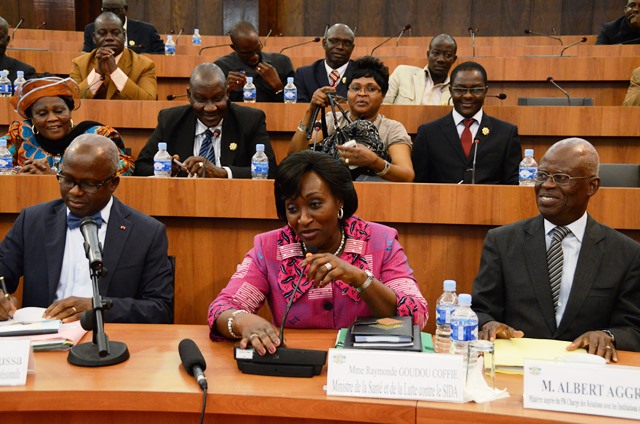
pixel 473 168
pixel 100 351
pixel 472 33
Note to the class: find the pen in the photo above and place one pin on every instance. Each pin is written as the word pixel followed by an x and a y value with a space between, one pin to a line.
pixel 177 162
pixel 4 287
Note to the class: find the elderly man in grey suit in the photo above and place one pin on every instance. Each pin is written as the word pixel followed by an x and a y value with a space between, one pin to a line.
pixel 562 275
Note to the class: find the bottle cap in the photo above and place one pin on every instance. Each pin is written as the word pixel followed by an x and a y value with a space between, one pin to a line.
pixel 20 73
pixel 289 80
pixel 162 146
pixel 449 285
pixel 196 31
pixel 464 299
pixel 249 79
pixel 528 152
pixel 3 73
pixel 169 37
pixel 259 147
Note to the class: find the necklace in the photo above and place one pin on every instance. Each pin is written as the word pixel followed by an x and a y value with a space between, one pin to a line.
pixel 337 252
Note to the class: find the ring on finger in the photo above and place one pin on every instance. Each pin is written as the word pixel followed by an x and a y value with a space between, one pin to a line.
pixel 200 164
pixel 607 347
pixel 328 266
pixel 346 161
pixel 75 311
pixel 253 335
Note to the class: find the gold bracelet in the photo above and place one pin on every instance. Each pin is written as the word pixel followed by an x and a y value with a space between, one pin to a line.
pixel 387 167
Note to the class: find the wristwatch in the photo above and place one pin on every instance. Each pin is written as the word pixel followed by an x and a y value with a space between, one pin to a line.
pixel 302 127
pixel 366 283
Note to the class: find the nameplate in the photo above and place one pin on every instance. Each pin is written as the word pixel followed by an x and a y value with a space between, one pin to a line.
pixel 609 390
pixel 395 375
pixel 15 358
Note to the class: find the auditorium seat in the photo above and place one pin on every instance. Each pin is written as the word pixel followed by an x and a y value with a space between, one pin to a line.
pixel 620 175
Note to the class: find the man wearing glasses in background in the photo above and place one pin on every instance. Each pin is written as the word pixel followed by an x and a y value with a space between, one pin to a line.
pixel 140 36
pixel 269 70
pixel 562 275
pixel 45 246
pixel 625 29
pixel 467 146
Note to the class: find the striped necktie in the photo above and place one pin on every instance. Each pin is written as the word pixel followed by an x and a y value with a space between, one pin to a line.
pixel 334 76
pixel 554 262
pixel 206 149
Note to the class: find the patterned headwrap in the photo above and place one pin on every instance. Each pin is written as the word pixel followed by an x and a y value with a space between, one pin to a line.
pixel 35 89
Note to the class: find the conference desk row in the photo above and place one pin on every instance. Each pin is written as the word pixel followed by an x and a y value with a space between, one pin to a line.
pixel 153 387
pixel 211 224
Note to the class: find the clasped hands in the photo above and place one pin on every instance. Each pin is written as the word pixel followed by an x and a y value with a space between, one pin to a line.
pixel 197 167
pixel 266 71
pixel 106 61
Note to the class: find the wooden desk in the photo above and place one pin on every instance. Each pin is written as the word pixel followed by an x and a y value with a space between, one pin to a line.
pixel 153 387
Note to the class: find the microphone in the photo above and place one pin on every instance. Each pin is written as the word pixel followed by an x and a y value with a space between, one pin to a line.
pixel 193 361
pixel 472 34
pixel 41 25
pixel 92 247
pixel 264 43
pixel 84 93
pixel 550 79
pixel 179 34
pixel 13 34
pixel 473 167
pixel 500 96
pixel 582 40
pixel 407 27
pixel 402 33
pixel 529 32
pixel 175 96
pixel 212 47
pixel 315 40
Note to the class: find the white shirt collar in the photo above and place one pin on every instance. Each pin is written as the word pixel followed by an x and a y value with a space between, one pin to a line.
pixel 201 128
pixel 341 70
pixel 577 227
pixel 105 212
pixel 457 118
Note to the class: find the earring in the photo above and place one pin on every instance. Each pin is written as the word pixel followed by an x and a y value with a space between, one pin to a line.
pixel 340 213
pixel 71 127
pixel 34 130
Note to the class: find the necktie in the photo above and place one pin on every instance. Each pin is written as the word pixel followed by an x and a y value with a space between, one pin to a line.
pixel 206 150
pixel 554 262
pixel 73 221
pixel 465 138
pixel 333 78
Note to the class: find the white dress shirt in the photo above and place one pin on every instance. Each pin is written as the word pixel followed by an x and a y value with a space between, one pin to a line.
pixel 216 142
pixel 459 121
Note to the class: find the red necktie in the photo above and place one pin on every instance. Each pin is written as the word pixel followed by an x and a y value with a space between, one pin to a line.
pixel 466 136
pixel 333 78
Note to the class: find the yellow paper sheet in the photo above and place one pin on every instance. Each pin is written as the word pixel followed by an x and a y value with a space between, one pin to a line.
pixel 511 353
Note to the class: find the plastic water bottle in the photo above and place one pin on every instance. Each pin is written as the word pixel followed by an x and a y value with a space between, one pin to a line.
pixel 170 46
pixel 290 91
pixel 249 91
pixel 446 305
pixel 528 169
pixel 464 326
pixel 6 89
pixel 162 161
pixel 19 82
pixel 6 160
pixel 196 40
pixel 259 164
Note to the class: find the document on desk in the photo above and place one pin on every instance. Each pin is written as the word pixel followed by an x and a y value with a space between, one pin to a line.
pixel 27 322
pixel 511 353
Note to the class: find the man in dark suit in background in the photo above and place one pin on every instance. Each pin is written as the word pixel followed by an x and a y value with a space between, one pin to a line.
pixel 625 29
pixel 45 246
pixel 269 70
pixel 562 275
pixel 140 36
pixel 10 64
pixel 467 145
pixel 338 44
pixel 215 137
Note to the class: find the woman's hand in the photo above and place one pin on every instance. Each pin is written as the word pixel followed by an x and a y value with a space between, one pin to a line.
pixel 320 98
pixel 324 267
pixel 257 332
pixel 37 166
pixel 358 155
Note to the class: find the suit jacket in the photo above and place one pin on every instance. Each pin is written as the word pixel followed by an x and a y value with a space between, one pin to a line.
pixel 309 78
pixel 618 31
pixel 141 85
pixel 243 127
pixel 438 157
pixel 512 285
pixel 139 279
pixel 632 98
pixel 12 65
pixel 407 84
pixel 141 38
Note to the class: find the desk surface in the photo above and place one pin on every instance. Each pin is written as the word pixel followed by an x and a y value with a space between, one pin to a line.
pixel 152 386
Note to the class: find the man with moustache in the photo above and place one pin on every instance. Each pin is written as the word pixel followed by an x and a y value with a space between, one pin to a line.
pixel 10 64
pixel 562 275
pixel 333 70
pixel 411 85
pixel 214 137
pixel 624 30
pixel 112 72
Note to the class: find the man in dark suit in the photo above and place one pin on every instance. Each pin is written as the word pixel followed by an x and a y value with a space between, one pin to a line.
pixel 10 64
pixel 217 138
pixel 562 275
pixel 269 70
pixel 45 246
pixel 140 36
pixel 467 146
pixel 625 29
pixel 334 70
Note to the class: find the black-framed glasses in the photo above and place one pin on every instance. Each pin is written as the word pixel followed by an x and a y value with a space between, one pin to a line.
pixel 559 179
pixel 86 186
pixel 461 91
pixel 368 89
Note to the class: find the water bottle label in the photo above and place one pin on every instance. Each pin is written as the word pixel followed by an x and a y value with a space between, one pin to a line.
pixel 162 166
pixel 528 174
pixel 249 94
pixel 443 313
pixel 170 49
pixel 5 89
pixel 290 95
pixel 196 41
pixel 259 168
pixel 464 333
pixel 6 163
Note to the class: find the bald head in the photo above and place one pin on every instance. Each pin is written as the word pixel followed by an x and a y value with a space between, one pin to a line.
pixel 97 147
pixel 4 24
pixel 108 17
pixel 581 148
pixel 209 73
pixel 446 38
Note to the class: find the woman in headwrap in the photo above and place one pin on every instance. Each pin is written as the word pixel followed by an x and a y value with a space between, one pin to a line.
pixel 38 142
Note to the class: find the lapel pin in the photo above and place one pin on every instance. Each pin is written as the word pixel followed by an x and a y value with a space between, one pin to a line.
pixel 233 146
pixel 485 131
pixel 132 43
pixel 122 227
pixel 344 80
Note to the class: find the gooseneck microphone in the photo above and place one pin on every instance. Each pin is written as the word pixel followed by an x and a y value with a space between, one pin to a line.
pixel 473 167
pixel 529 32
pixel 175 96
pixel 179 34
pixel 264 43
pixel 15 28
pixel 582 40
pixel 406 28
pixel 92 246
pixel 472 33
pixel 212 47
pixel 86 90
pixel 315 40
pixel 402 33
pixel 500 96
pixel 550 79
pixel 193 361
pixel 41 25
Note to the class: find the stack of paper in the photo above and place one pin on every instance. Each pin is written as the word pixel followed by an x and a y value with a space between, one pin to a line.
pixel 511 353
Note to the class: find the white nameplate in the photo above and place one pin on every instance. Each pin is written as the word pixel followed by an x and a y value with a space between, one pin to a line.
pixel 395 375
pixel 609 390
pixel 16 357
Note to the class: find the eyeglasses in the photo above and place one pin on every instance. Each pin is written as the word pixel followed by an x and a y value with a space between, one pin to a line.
pixel 559 179
pixel 115 10
pixel 369 89
pixel 88 187
pixel 347 44
pixel 461 91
